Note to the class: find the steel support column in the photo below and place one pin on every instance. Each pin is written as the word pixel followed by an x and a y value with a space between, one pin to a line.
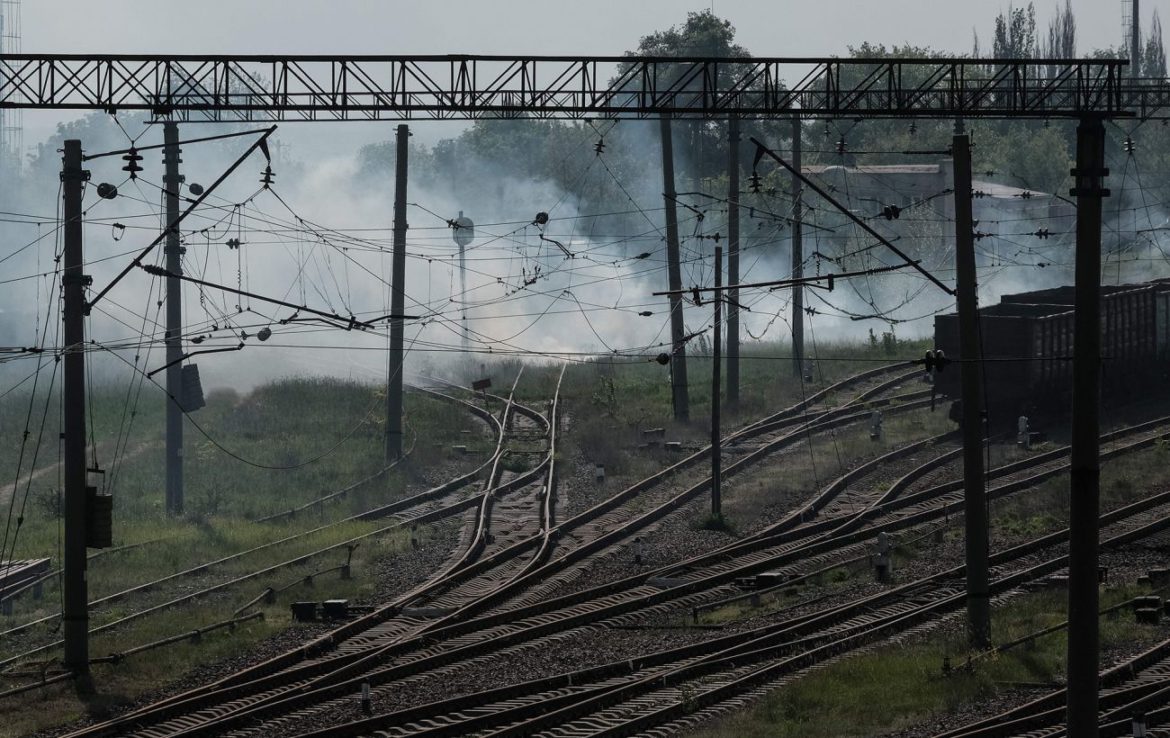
pixel 172 182
pixel 971 382
pixel 75 603
pixel 1085 471
pixel 397 301
pixel 679 393
pixel 733 263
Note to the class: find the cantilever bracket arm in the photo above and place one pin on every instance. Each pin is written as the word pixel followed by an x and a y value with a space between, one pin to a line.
pixel 184 357
pixel 258 143
pixel 776 284
pixel 762 150
pixel 349 323
pixel 140 149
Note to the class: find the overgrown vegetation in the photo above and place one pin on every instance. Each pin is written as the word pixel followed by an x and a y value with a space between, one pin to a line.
pixel 276 448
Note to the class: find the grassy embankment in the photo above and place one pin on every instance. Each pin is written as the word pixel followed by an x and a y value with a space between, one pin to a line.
pixel 328 434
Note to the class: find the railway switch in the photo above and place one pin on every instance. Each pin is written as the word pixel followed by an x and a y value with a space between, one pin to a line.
pixel 638 551
pixel 875 425
pixel 1023 437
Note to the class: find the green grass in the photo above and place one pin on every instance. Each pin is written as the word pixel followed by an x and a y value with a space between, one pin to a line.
pixel 897 686
pixel 331 431
pixel 142 673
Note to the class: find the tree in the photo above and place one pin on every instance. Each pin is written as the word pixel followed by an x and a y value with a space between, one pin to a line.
pixel 1153 61
pixel 1015 33
pixel 703 34
pixel 1062 35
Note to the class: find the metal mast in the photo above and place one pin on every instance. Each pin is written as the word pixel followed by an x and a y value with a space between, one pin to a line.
pixel 75 605
pixel 397 300
pixel 172 181
pixel 11 130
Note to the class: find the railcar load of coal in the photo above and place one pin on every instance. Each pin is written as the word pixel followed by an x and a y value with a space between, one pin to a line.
pixel 473 369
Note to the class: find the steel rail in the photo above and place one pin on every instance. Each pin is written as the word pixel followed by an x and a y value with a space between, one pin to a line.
pixel 733 650
pixel 533 631
pixel 380 511
pixel 327 640
pixel 278 700
pixel 645 601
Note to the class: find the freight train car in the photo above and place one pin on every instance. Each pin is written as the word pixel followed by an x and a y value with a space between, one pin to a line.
pixel 1027 342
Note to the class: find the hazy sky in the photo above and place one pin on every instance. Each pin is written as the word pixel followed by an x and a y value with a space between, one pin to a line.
pixel 603 27
pixel 765 27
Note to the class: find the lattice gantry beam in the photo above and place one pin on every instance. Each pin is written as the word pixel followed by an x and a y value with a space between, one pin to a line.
pixel 267 88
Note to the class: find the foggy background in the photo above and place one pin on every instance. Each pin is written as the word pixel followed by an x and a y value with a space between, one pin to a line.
pixel 321 236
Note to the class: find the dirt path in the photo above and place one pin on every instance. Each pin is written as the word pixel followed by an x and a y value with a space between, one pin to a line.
pixel 6 489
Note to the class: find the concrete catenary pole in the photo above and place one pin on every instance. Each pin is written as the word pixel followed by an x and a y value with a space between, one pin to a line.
pixel 797 257
pixel 971 384
pixel 75 607
pixel 1085 469
pixel 680 399
pixel 716 456
pixel 733 263
pixel 172 181
pixel 397 301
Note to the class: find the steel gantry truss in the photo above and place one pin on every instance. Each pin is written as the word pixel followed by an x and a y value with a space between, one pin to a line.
pixel 275 88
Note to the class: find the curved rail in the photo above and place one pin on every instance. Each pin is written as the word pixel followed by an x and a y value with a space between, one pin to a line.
pixel 756 429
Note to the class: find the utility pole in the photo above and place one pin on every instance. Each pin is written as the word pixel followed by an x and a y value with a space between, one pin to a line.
pixel 75 606
pixel 397 301
pixel 172 181
pixel 797 257
pixel 716 456
pixel 733 263
pixel 1085 463
pixel 971 383
pixel 678 353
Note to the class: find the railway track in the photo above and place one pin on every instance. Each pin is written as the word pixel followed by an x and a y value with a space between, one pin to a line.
pixel 428 505
pixel 455 640
pixel 803 415
pixel 386 675
pixel 1139 685
pixel 424 658
pixel 627 697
